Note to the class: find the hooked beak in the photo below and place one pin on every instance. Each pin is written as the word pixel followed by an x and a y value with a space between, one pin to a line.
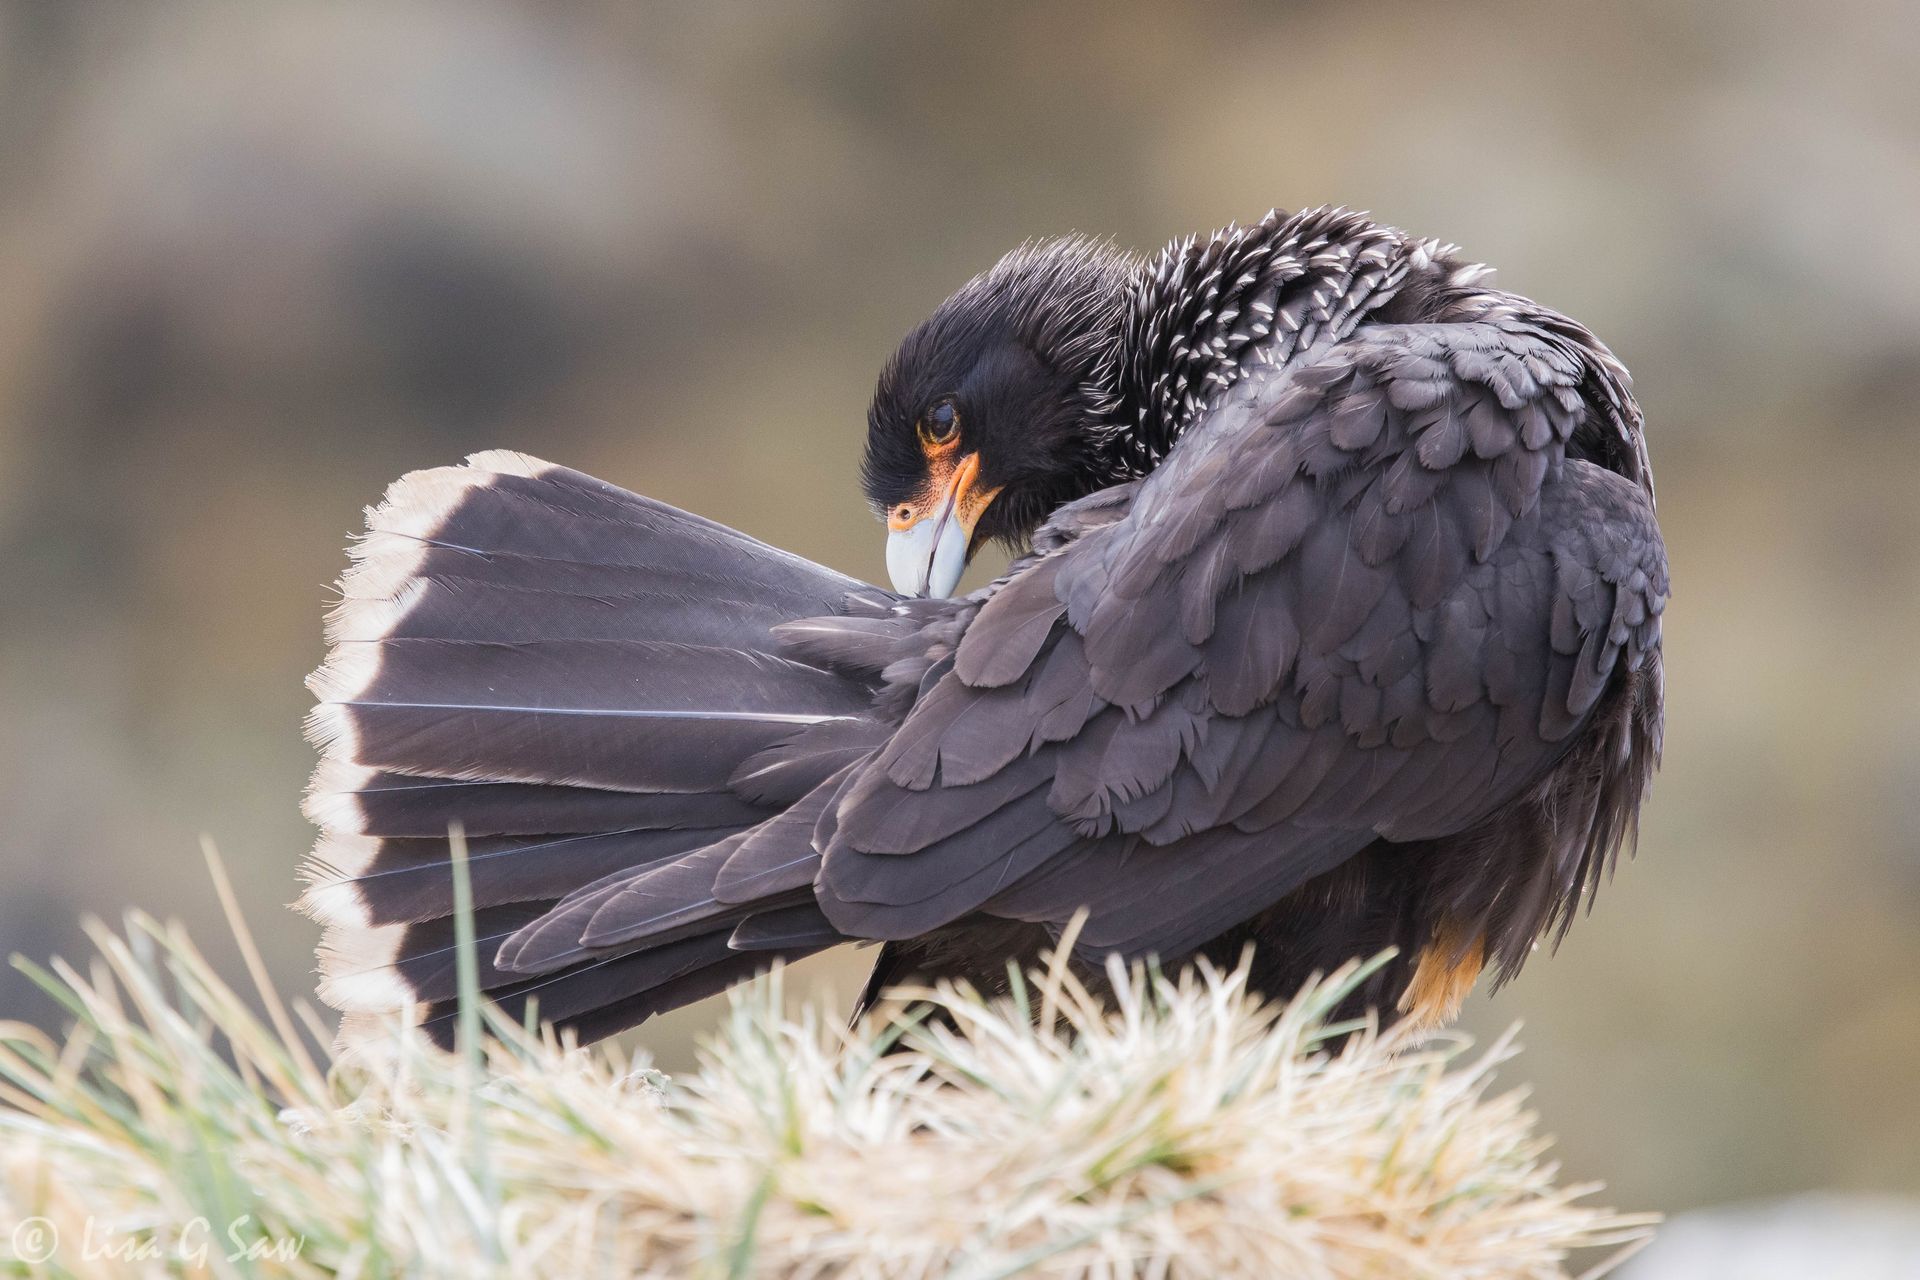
pixel 928 539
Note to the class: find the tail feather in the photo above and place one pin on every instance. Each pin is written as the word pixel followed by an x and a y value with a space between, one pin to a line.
pixel 781 854
pixel 589 677
pixel 386 565
pixel 665 904
pixel 508 520
pixel 672 751
pixel 631 715
pixel 394 967
pixel 607 997
pixel 589 683
pixel 366 880
pixel 437 608
pixel 784 929
pixel 765 867
pixel 350 800
pixel 617 527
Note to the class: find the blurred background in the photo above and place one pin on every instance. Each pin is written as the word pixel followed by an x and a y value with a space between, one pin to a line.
pixel 257 260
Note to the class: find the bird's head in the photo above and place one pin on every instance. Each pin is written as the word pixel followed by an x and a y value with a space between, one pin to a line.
pixel 990 415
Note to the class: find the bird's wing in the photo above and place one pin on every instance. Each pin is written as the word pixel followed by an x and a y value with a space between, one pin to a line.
pixel 1370 595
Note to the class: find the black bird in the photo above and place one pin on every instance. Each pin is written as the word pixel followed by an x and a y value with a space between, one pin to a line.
pixel 1337 627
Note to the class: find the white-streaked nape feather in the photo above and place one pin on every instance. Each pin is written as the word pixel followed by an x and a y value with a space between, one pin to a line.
pixel 1471 273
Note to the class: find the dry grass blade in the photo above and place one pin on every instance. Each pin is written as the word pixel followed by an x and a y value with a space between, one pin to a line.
pixel 1181 1128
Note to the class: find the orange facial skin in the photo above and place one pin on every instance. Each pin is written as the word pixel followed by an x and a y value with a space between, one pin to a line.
pixel 951 477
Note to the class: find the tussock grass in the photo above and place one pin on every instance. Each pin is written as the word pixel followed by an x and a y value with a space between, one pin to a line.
pixel 1180 1129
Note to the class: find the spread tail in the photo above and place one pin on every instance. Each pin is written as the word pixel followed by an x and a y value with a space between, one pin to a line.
pixel 589 684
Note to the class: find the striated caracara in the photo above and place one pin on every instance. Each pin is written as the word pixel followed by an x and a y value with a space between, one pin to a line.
pixel 1336 627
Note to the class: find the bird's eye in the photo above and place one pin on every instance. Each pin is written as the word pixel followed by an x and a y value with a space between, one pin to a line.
pixel 940 423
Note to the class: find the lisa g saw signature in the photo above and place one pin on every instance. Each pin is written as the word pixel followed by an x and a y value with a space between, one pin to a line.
pixel 196 1242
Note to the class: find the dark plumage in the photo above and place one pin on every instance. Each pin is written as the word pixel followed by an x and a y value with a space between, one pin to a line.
pixel 1339 629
